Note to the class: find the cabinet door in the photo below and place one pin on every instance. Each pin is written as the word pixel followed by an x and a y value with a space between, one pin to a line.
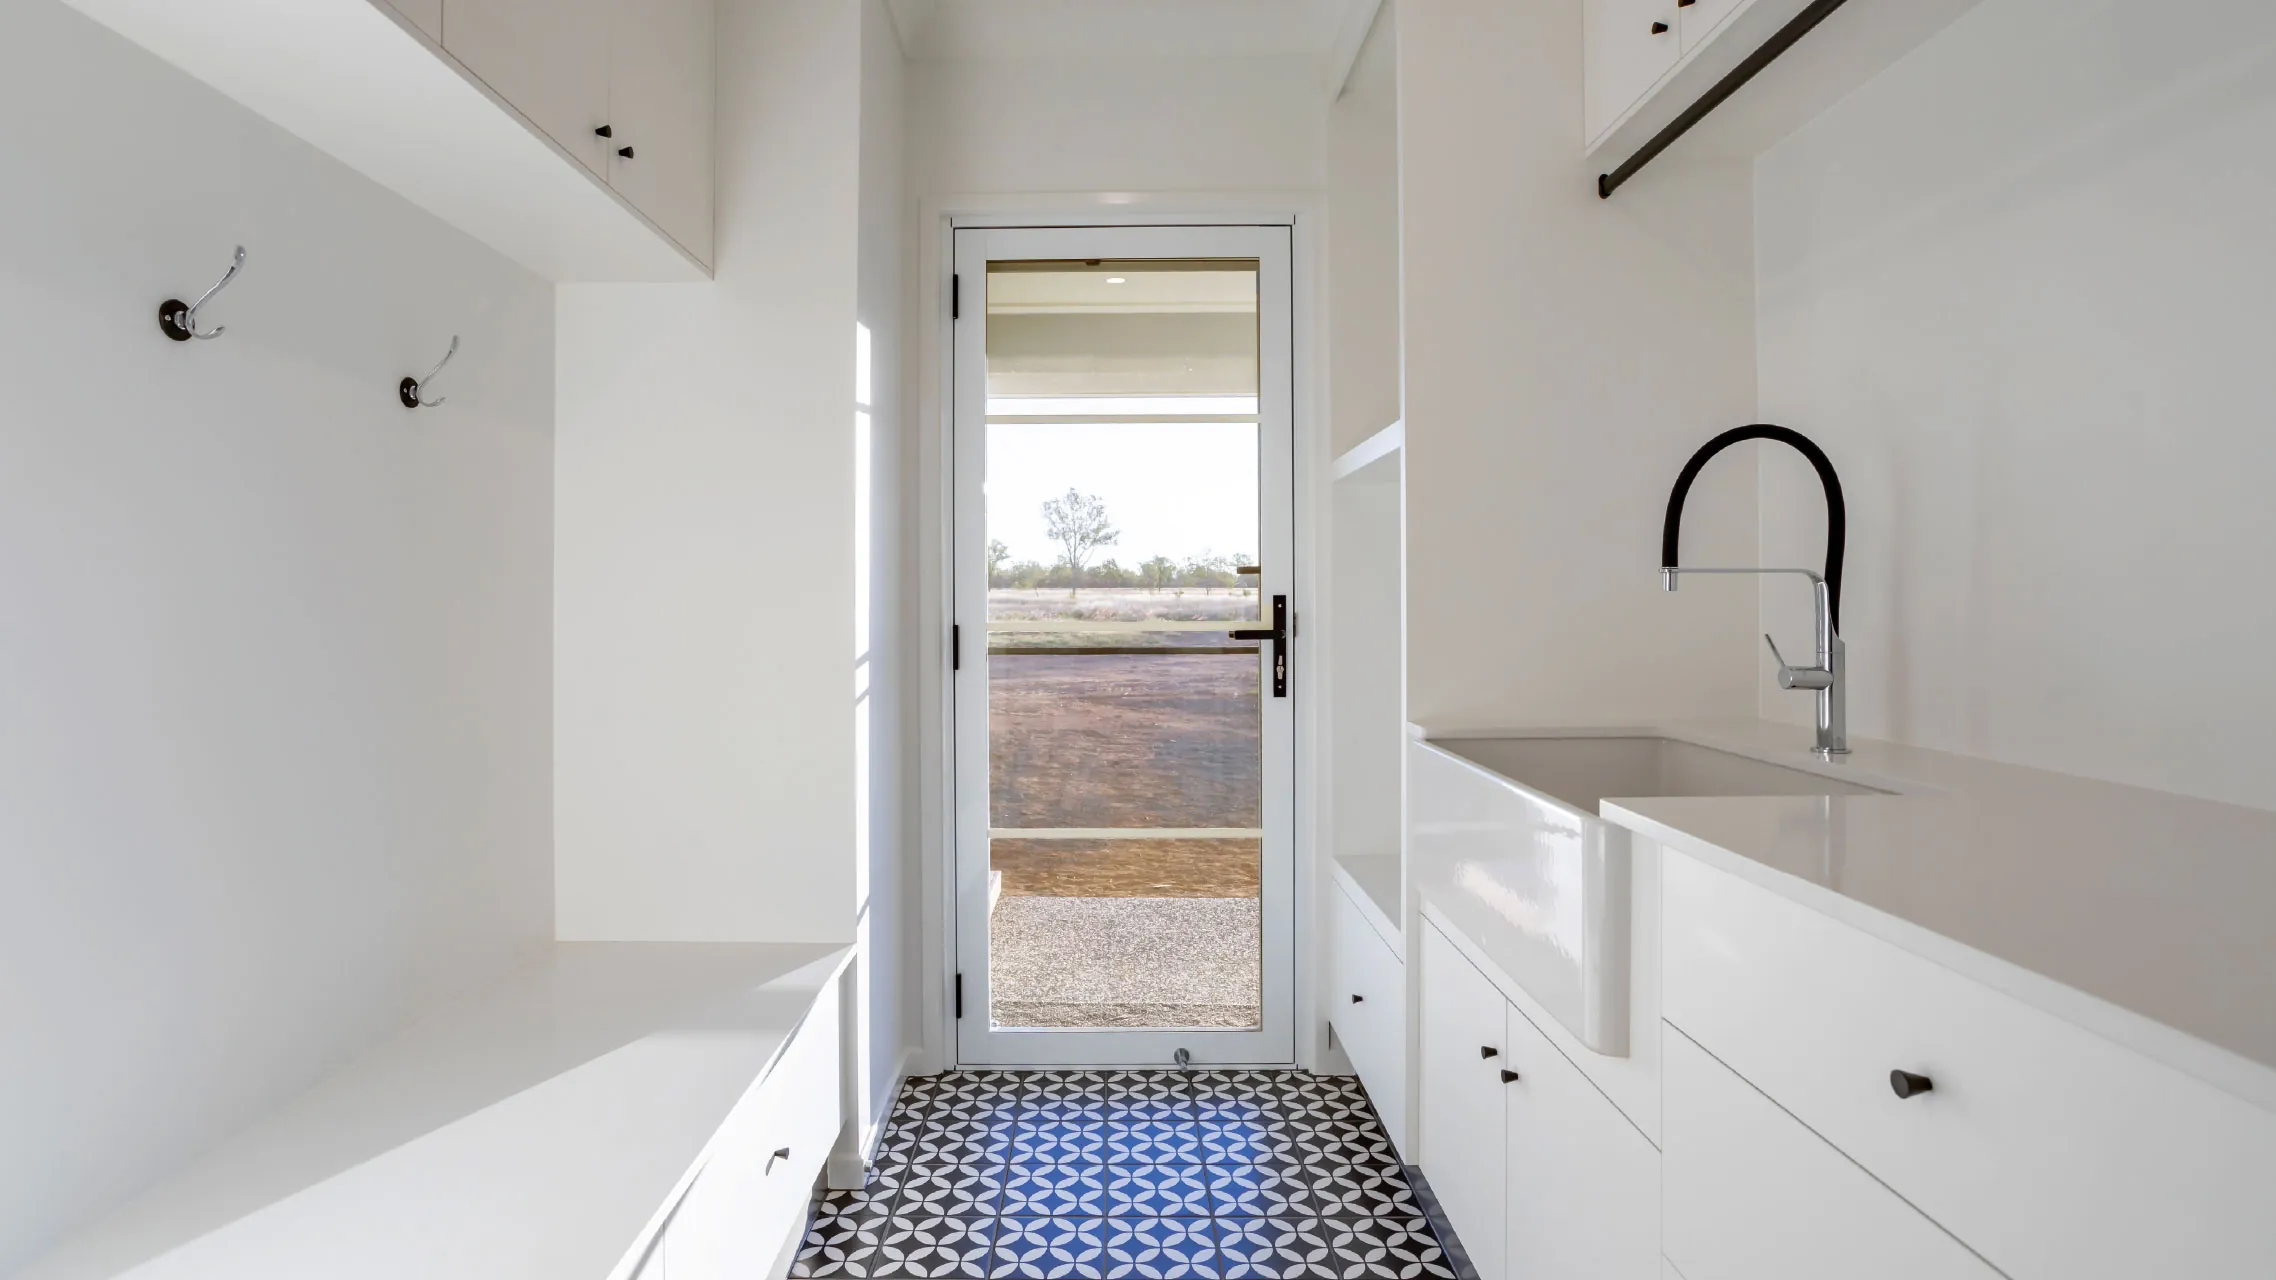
pixel 1463 1099
pixel 1584 1185
pixel 1752 1194
pixel 549 58
pixel 1625 56
pixel 660 99
pixel 1700 18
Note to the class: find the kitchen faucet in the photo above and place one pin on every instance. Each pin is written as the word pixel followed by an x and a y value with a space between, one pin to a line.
pixel 1828 678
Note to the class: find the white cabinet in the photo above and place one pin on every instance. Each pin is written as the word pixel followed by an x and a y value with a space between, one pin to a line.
pixel 1698 19
pixel 1630 45
pixel 1584 1185
pixel 1463 1098
pixel 753 1189
pixel 2050 1150
pixel 1751 1194
pixel 660 109
pixel 548 58
pixel 1367 1005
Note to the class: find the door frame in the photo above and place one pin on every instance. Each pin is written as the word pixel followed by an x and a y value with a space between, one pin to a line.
pixel 940 217
pixel 978 1043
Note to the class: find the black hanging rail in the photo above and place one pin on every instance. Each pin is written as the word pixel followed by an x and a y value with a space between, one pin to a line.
pixel 1607 183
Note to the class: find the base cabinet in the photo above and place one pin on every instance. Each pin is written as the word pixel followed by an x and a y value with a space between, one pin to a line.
pixel 1751 1194
pixel 1540 1175
pixel 1367 1005
pixel 753 1189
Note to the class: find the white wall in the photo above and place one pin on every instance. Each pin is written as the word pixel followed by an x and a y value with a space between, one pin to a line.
pixel 1115 124
pixel 1363 242
pixel 2020 288
pixel 886 888
pixel 1564 355
pixel 278 696
pixel 705 774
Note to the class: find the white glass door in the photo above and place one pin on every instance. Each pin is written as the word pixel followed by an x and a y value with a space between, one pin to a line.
pixel 1124 740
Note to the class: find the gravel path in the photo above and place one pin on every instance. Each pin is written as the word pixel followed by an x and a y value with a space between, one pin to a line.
pixel 1118 962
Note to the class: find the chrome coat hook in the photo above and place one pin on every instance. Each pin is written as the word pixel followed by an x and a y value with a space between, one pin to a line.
pixel 411 391
pixel 179 320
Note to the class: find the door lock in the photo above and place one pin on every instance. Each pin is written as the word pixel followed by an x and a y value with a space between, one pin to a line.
pixel 1278 634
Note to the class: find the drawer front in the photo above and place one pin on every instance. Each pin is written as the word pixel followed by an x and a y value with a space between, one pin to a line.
pixel 1702 18
pixel 1749 1193
pixel 2049 1150
pixel 749 1198
pixel 1625 56
pixel 1372 1029
pixel 1584 1185
pixel 1463 1100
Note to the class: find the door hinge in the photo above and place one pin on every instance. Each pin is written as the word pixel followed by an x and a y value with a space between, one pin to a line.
pixel 956 297
pixel 960 996
pixel 955 648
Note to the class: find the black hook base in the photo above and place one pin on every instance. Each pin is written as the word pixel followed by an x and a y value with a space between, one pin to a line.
pixel 173 316
pixel 408 392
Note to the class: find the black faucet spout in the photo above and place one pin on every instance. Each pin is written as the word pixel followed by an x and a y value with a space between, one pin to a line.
pixel 1837 516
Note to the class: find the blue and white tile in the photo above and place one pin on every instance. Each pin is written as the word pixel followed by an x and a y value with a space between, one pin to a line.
pixel 845 1244
pixel 952 1190
pixel 1248 1141
pixel 1161 1249
pixel 1059 1141
pixel 1153 1142
pixel 1258 1191
pixel 1055 1190
pixel 1156 1191
pixel 1291 1248
pixel 1398 1247
pixel 1049 1249
pixel 938 1246
pixel 1067 1110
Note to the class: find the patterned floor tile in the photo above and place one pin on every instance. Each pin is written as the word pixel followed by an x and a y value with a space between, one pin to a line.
pixel 1162 1249
pixel 1128 1175
pixel 1050 1249
pixel 1156 1191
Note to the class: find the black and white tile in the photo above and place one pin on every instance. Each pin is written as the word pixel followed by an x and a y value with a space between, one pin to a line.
pixel 1145 1175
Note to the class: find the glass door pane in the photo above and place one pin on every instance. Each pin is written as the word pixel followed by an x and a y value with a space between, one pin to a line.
pixel 1125 738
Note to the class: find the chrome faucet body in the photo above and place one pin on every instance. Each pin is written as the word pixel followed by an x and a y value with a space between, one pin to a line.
pixel 1827 678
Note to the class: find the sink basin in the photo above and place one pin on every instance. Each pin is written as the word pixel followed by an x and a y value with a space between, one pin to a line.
pixel 1509 824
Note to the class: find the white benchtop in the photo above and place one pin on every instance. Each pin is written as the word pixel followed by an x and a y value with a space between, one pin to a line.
pixel 539 1129
pixel 2133 912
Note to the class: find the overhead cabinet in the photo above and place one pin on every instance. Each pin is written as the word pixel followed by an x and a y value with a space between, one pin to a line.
pixel 573 136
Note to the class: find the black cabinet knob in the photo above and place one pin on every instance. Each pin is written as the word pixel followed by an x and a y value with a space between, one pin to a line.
pixel 1356 998
pixel 1488 1051
pixel 1685 4
pixel 626 152
pixel 1906 1083
pixel 1508 1076
pixel 1659 28
pixel 605 131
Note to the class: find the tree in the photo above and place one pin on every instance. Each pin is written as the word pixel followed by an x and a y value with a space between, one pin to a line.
pixel 1079 525
pixel 1207 571
pixel 1159 572
pixel 997 554
pixel 1242 560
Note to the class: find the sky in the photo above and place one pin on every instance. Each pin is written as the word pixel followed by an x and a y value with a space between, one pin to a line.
pixel 1173 489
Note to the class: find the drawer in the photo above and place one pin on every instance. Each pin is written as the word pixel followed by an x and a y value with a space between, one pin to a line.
pixel 2048 1149
pixel 1749 1193
pixel 1367 1005
pixel 1702 18
pixel 749 1198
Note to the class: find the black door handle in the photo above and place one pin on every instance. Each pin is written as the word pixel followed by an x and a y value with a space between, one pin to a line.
pixel 1906 1084
pixel 1358 999
pixel 1488 1051
pixel 1659 28
pixel 1509 1077
pixel 1278 634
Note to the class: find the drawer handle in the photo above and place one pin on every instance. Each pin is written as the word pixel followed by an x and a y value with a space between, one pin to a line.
pixel 780 1153
pixel 605 131
pixel 1358 999
pixel 1907 1083
pixel 1508 1076
pixel 1488 1051
pixel 1685 4
pixel 1659 28
pixel 626 152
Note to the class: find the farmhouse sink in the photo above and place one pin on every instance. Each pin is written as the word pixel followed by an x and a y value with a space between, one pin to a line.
pixel 1510 822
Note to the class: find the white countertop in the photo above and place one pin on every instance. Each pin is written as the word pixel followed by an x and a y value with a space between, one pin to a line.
pixel 2159 909
pixel 539 1128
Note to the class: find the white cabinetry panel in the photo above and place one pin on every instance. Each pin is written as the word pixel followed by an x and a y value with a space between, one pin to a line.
pixel 1367 1003
pixel 1464 1099
pixel 2051 1151
pixel 1626 56
pixel 1584 1185
pixel 753 1189
pixel 426 15
pixel 1699 19
pixel 660 107
pixel 549 58
pixel 1751 1194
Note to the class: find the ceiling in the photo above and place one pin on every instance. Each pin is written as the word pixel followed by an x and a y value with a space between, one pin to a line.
pixel 1324 33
